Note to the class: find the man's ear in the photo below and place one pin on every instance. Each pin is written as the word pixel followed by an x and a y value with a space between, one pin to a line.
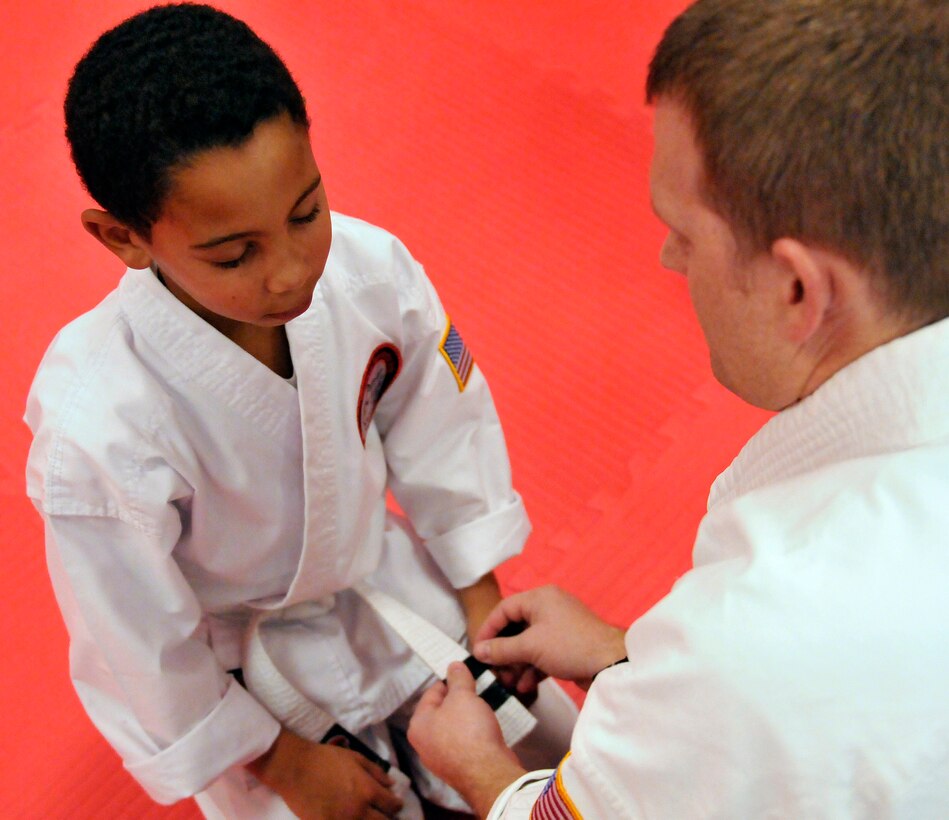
pixel 807 287
pixel 118 238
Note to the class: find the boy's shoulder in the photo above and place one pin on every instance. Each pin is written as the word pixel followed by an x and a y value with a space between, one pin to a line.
pixel 365 254
pixel 90 392
pixel 78 350
pixel 357 236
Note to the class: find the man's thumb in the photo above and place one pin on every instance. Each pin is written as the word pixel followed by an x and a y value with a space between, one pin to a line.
pixel 459 677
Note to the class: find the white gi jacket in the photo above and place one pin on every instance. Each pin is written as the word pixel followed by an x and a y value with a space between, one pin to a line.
pixel 183 483
pixel 801 669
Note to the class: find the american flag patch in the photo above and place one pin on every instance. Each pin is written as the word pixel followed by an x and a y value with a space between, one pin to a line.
pixel 553 803
pixel 456 353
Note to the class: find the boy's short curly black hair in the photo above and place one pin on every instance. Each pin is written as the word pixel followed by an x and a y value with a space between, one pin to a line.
pixel 160 87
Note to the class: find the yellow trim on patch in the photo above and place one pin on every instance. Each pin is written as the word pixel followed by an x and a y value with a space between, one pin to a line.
pixel 441 349
pixel 562 790
pixel 562 793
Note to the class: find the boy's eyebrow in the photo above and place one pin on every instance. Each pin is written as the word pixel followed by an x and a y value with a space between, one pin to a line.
pixel 220 240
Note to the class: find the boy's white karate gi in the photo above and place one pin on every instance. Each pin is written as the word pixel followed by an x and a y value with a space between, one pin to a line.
pixel 184 484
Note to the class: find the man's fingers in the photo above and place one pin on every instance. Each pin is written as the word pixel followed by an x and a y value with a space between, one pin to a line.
pixel 509 610
pixel 508 675
pixel 503 651
pixel 529 680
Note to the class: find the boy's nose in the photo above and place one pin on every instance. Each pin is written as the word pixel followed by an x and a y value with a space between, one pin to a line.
pixel 289 273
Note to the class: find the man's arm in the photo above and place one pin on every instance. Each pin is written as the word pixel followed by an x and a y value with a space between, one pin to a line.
pixel 456 733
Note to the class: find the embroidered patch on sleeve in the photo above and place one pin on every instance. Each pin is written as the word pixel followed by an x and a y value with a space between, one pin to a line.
pixel 554 803
pixel 384 365
pixel 456 353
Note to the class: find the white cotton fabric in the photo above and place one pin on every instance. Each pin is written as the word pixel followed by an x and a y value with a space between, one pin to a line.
pixel 183 484
pixel 801 669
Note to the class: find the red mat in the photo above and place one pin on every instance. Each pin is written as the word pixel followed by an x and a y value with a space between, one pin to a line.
pixel 507 145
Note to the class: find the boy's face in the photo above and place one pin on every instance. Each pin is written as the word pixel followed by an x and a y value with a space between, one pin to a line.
pixel 245 232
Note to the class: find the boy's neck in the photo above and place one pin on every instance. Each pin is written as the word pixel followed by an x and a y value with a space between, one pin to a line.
pixel 269 345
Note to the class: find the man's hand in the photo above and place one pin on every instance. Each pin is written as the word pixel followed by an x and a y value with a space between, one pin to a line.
pixel 323 782
pixel 563 638
pixel 458 737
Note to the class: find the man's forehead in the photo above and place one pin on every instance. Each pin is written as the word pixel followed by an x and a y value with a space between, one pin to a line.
pixel 676 149
pixel 676 168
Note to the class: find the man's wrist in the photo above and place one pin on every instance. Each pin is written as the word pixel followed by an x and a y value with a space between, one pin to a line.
pixel 482 784
pixel 612 650
pixel 615 650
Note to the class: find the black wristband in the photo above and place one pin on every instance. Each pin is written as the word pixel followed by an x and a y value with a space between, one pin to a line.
pixel 615 663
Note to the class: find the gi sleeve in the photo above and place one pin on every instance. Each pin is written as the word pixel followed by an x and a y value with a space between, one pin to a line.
pixel 140 658
pixel 707 719
pixel 447 458
pixel 517 801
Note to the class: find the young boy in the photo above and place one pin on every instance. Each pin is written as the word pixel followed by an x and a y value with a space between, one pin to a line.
pixel 218 436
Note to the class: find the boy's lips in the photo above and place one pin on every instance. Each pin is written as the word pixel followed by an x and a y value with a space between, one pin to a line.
pixel 287 315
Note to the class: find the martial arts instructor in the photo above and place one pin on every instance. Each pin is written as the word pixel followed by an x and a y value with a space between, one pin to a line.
pixel 801 668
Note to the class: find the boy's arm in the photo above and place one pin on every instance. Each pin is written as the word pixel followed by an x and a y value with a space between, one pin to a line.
pixel 478 601
pixel 132 618
pixel 444 446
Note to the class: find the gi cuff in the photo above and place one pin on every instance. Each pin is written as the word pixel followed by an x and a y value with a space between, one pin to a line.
pixel 235 732
pixel 467 553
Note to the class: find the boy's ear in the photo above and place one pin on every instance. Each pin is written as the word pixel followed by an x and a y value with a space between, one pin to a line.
pixel 118 238
pixel 807 287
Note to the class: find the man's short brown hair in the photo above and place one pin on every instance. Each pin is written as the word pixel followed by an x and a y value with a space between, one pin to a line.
pixel 826 121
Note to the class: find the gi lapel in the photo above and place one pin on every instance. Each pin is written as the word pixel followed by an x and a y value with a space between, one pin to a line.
pixel 311 348
pixel 200 357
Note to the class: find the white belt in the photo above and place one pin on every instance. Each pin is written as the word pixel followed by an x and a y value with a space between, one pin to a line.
pixel 434 647
pixel 438 650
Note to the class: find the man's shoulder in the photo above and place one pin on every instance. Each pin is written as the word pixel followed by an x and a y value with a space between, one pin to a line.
pixel 786 577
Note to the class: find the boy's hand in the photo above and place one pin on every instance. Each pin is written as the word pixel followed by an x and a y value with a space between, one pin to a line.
pixel 324 782
pixel 562 637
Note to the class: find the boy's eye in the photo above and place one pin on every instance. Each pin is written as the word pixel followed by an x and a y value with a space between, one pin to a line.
pixel 229 264
pixel 308 218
